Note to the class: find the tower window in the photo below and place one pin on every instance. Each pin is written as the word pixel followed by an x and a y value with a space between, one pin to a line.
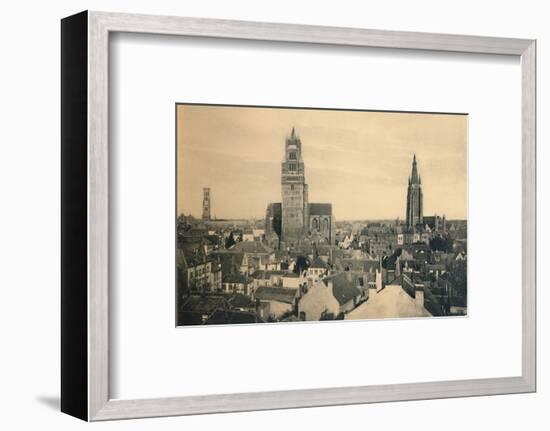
pixel 292 167
pixel 292 155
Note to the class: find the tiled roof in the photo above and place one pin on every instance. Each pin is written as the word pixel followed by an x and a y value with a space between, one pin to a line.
pixel 253 247
pixel 230 261
pixel 265 274
pixel 343 289
pixel 318 263
pixel 239 300
pixel 235 278
pixel 320 209
pixel 367 265
pixel 390 302
pixel 280 294
pixel 203 304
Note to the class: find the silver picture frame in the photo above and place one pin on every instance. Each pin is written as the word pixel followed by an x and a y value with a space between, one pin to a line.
pixel 85 215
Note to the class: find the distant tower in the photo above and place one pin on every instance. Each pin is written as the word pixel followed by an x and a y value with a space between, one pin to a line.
pixel 414 198
pixel 206 203
pixel 294 208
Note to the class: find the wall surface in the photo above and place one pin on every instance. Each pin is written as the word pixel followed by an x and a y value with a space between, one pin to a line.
pixel 29 220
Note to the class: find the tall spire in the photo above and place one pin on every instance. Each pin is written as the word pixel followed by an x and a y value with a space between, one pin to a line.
pixel 415 179
pixel 293 133
pixel 414 198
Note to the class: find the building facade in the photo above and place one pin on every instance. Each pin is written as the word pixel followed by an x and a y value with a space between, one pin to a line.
pixel 293 220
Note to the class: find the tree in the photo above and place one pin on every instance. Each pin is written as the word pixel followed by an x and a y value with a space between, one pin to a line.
pixel 182 226
pixel 301 265
pixel 230 241
pixel 440 243
pixel 459 278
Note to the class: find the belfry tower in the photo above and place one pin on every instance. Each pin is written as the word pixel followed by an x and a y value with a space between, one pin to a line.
pixel 294 190
pixel 414 198
pixel 206 203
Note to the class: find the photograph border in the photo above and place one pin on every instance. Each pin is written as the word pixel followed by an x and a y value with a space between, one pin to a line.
pixel 85 215
pixel 232 105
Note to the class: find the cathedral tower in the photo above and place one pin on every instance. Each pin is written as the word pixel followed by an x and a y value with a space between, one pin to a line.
pixel 414 198
pixel 294 208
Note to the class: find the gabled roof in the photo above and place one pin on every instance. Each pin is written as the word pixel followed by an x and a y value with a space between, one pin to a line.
pixel 344 289
pixel 191 254
pixel 390 302
pixel 229 261
pixel 280 294
pixel 318 263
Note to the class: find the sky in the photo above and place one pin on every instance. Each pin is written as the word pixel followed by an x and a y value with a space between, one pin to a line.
pixel 359 161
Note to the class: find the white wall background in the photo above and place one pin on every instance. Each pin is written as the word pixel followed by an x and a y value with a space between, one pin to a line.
pixel 29 216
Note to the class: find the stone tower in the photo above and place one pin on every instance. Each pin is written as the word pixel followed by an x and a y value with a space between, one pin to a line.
pixel 206 204
pixel 414 198
pixel 294 208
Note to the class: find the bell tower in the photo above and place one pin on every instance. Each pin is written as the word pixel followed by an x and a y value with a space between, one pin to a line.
pixel 206 203
pixel 294 192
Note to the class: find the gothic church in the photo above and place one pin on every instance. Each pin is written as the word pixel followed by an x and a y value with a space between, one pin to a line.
pixel 294 220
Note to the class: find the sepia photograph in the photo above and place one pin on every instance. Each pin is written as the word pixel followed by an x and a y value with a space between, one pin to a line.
pixel 308 214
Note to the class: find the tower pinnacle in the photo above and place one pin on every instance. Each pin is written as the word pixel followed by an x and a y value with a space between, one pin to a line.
pixel 414 173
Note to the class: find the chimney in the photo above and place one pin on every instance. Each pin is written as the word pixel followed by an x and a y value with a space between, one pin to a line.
pixel 419 295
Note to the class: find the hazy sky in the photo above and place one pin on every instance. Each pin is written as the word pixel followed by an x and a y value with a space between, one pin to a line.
pixel 358 161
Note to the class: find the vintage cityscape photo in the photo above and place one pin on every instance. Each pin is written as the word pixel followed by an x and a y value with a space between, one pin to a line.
pixel 296 214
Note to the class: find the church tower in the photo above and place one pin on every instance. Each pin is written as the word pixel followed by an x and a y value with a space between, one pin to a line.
pixel 294 208
pixel 414 198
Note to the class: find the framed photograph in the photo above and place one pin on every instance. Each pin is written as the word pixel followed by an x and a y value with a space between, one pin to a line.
pixel 265 216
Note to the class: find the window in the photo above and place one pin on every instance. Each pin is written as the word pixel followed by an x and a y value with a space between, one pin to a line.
pixel 292 187
pixel 292 155
pixel 315 224
pixel 292 167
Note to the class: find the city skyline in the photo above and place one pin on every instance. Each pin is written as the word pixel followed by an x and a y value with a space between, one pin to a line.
pixel 357 160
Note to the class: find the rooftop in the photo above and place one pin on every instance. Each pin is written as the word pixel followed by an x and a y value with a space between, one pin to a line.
pixel 318 263
pixel 253 247
pixel 320 209
pixel 281 294
pixel 344 287
pixel 390 302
